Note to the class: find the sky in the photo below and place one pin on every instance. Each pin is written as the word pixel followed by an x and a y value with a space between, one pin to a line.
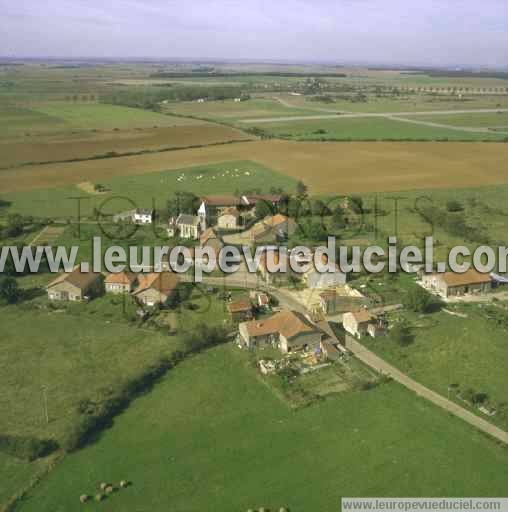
pixel 383 32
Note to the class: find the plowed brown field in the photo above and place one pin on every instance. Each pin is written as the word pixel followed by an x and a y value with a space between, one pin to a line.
pixel 324 167
pixel 60 148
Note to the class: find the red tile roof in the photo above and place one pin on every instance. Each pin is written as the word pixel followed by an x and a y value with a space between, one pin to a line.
pixel 287 323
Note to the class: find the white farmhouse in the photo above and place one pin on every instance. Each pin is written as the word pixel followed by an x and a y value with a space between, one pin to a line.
pixel 142 216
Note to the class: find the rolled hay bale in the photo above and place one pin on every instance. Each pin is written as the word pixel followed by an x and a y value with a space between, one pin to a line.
pixel 99 497
pixel 84 498
pixel 109 489
pixel 283 509
pixel 103 486
pixel 124 484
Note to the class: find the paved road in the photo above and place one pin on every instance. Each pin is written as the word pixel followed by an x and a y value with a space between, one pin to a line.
pixel 252 281
pixel 352 115
pixel 287 104
pixel 380 365
pixel 447 126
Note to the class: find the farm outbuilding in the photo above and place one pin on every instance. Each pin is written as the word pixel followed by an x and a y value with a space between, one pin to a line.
pixel 455 284
pixel 75 286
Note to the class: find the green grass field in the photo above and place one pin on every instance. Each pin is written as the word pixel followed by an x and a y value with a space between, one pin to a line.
pixel 42 346
pixel 469 352
pixel 65 117
pixel 395 103
pixel 146 189
pixel 19 120
pixel 484 209
pixel 230 110
pixel 498 121
pixel 211 437
pixel 367 129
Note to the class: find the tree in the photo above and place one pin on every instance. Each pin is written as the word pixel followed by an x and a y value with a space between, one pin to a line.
pixel 203 336
pixel 418 300
pixel 296 209
pixel 301 188
pixel 338 221
pixel 454 206
pixel 401 334
pixel 183 202
pixel 9 291
pixel 356 204
pixel 14 226
pixel 318 208
pixel 314 231
pixel 264 209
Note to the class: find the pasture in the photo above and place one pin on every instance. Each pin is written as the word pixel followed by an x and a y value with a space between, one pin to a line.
pixel 393 103
pixel 373 128
pixel 43 348
pixel 151 189
pixel 496 120
pixel 210 436
pixel 230 111
pixel 64 117
pixel 468 352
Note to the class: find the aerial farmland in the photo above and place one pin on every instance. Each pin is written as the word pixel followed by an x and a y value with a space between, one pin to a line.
pixel 149 389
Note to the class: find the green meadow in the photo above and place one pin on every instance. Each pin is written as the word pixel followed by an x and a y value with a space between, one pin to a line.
pixel 46 357
pixel 467 351
pixel 495 120
pixel 66 117
pixel 211 436
pixel 150 189
pixel 373 128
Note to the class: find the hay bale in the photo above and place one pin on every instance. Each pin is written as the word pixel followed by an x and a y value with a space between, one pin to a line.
pixel 99 497
pixel 109 489
pixel 103 486
pixel 124 483
pixel 283 509
pixel 84 498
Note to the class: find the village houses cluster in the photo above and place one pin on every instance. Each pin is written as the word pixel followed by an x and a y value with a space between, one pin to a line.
pixel 232 219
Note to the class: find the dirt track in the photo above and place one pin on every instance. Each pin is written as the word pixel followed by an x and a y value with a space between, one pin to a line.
pixel 337 114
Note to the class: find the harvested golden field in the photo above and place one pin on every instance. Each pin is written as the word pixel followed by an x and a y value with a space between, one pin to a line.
pixel 86 145
pixel 325 167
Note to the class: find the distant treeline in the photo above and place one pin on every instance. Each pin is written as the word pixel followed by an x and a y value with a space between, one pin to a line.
pixel 443 73
pixel 244 74
pixel 150 98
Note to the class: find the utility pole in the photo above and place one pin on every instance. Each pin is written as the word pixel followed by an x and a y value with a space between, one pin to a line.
pixel 45 403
